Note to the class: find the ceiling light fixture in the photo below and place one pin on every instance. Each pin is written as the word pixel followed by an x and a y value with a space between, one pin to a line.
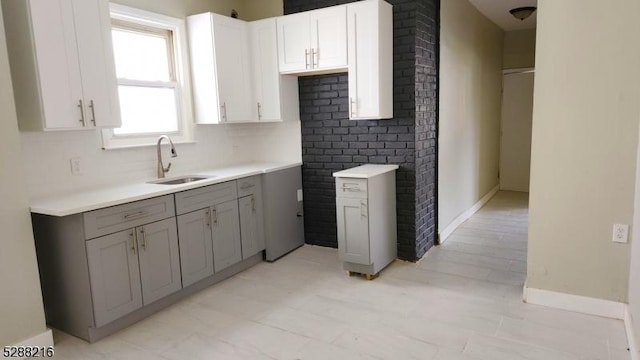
pixel 522 12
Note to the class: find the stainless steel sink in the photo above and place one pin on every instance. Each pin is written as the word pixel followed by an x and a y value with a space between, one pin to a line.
pixel 180 180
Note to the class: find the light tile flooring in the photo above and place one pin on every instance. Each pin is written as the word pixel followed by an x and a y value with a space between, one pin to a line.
pixel 462 301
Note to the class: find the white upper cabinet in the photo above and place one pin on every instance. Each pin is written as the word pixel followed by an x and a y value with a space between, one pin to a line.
pixel 221 69
pixel 62 64
pixel 313 41
pixel 266 78
pixel 370 43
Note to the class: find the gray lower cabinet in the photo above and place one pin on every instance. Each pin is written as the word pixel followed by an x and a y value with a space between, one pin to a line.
pixel 133 268
pixel 196 246
pixel 115 276
pixel 251 216
pixel 227 248
pixel 353 230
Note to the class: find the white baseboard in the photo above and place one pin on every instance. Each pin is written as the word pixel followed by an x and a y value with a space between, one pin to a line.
pixel 444 234
pixel 576 303
pixel 44 339
pixel 631 334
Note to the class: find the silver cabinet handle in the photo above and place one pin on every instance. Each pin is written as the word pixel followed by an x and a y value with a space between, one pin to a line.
pixel 208 219
pixel 315 58
pixel 214 215
pixel 259 111
pixel 93 112
pixel 133 242
pixel 134 215
pixel 224 112
pixel 306 58
pixel 81 106
pixel 253 203
pixel 144 239
pixel 354 105
pixel 363 209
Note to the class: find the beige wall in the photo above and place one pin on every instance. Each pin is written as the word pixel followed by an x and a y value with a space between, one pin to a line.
pixel 260 9
pixel 21 311
pixel 182 8
pixel 519 49
pixel 634 270
pixel 585 138
pixel 470 85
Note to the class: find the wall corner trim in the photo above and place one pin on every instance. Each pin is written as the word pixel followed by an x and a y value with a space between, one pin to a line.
pixel 575 303
pixel 43 339
pixel 631 334
pixel 444 234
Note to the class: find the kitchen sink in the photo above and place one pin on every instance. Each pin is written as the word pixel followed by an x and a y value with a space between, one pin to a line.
pixel 180 180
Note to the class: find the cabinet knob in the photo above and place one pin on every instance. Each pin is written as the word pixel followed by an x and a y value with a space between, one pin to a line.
pixel 315 58
pixel 133 242
pixel 224 111
pixel 259 111
pixel 354 103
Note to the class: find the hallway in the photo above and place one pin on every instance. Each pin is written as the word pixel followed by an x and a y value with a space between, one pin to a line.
pixel 462 302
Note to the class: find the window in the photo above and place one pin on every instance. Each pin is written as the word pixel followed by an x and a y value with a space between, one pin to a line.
pixel 154 96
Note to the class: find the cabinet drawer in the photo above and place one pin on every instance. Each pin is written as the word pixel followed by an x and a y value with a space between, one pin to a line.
pixel 248 185
pixel 203 197
pixel 351 188
pixel 117 218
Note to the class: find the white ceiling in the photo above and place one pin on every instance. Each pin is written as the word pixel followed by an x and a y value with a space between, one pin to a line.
pixel 498 12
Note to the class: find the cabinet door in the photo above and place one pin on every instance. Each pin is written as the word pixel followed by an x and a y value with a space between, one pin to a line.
pixel 159 259
pixel 227 249
pixel 58 66
pixel 266 78
pixel 232 69
pixel 370 60
pixel 294 42
pixel 251 229
pixel 196 252
pixel 329 37
pixel 353 230
pixel 115 276
pixel 97 64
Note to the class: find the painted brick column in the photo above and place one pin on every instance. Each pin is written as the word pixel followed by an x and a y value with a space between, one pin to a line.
pixel 331 142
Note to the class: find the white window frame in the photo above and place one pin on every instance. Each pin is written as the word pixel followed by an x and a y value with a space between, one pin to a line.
pixel 183 86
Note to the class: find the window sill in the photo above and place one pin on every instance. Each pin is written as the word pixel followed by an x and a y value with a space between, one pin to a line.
pixel 155 143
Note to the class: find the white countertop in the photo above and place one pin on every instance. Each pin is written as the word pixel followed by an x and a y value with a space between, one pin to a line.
pixel 365 171
pixel 100 198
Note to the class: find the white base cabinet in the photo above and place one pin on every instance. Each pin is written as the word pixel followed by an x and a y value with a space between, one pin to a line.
pixel 366 217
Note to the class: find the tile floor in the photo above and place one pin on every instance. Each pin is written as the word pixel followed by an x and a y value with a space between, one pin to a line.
pixel 462 301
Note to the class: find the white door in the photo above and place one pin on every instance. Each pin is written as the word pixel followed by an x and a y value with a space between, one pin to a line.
pixel 114 274
pixel 196 251
pixel 515 145
pixel 266 77
pixel 97 66
pixel 353 230
pixel 54 37
pixel 329 37
pixel 232 69
pixel 227 248
pixel 159 259
pixel 294 42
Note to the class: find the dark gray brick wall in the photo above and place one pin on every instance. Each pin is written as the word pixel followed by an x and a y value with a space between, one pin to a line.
pixel 331 142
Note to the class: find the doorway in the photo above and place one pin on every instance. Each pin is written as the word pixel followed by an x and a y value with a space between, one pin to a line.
pixel 515 139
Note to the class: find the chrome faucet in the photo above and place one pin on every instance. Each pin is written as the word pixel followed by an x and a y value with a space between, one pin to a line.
pixel 161 168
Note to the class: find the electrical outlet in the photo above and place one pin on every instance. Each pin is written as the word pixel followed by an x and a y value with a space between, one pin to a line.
pixel 299 194
pixel 620 233
pixel 76 166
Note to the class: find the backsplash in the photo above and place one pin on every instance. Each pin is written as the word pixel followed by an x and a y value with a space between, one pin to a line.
pixel 46 156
